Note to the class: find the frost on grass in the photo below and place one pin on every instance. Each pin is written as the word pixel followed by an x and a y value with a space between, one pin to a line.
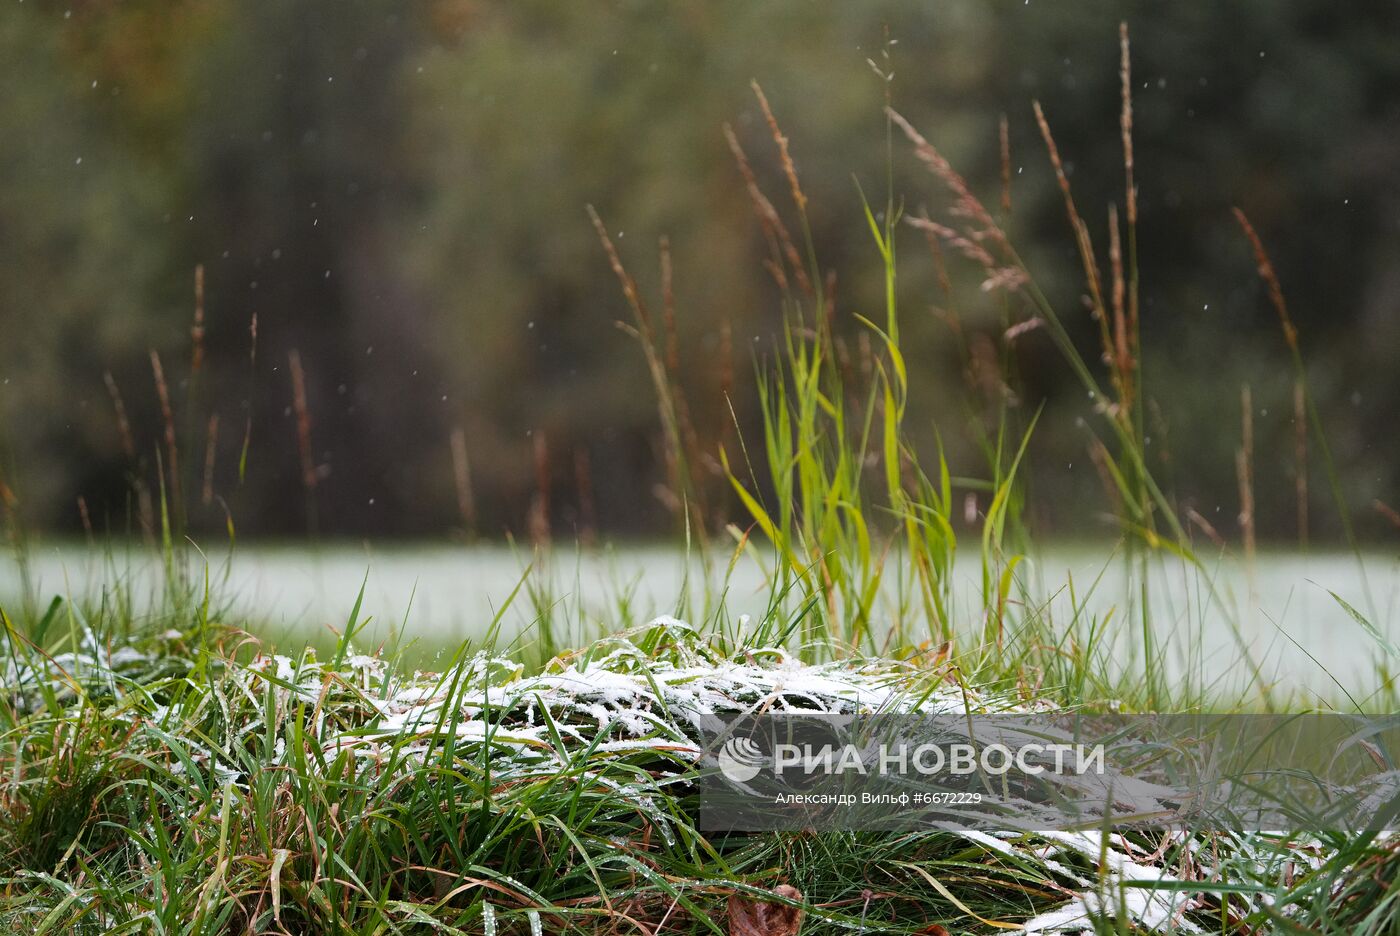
pixel 621 716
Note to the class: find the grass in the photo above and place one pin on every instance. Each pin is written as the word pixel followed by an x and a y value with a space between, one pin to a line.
pixel 163 771
pixel 168 774
pixel 174 777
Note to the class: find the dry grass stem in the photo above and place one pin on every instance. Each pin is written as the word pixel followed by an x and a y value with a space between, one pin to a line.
pixel 1102 460
pixel 539 506
pixel 1125 74
pixel 1205 527
pixel 197 329
pixel 1009 278
pixel 1125 123
pixel 998 276
pixel 673 355
pixel 1270 278
pixel 303 417
pixel 1122 339
pixel 783 252
pixel 966 205
pixel 252 383
pixel 963 245
pixel 1300 459
pixel 789 169
pixel 829 301
pixel 85 517
pixel 675 420
pixel 984 364
pixel 123 423
pixel 1244 470
pixel 1022 328
pixel 668 300
pixel 211 448
pixel 643 319
pixel 167 415
pixel 1130 188
pixel 668 307
pixel 1081 235
pixel 462 479
pixel 940 264
pixel 629 285
pixel 1004 138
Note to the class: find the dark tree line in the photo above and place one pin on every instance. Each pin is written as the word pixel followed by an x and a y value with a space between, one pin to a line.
pixel 396 192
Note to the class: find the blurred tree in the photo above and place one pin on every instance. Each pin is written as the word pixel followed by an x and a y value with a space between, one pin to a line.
pixel 83 237
pixel 397 193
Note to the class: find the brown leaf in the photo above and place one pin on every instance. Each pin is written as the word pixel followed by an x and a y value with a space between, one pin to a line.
pixel 748 917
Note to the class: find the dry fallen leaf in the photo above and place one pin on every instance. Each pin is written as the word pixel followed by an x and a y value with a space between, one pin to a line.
pixel 748 917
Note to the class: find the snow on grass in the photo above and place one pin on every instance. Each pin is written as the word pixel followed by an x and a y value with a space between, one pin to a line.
pixel 642 694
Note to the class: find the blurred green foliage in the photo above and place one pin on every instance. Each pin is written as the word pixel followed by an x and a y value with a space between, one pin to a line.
pixel 397 192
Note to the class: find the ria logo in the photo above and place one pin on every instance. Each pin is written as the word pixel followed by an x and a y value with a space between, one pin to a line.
pixel 740 760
